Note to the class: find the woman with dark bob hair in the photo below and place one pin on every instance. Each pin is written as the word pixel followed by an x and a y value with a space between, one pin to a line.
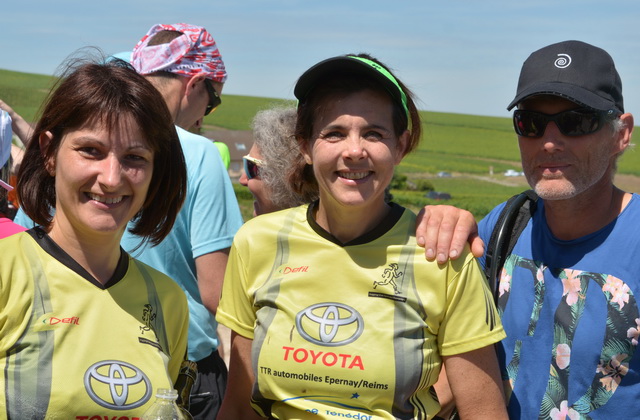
pixel 334 310
pixel 86 330
pixel 102 93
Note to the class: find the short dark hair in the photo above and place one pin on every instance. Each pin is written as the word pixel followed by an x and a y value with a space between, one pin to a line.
pixel 300 175
pixel 103 93
pixel 164 37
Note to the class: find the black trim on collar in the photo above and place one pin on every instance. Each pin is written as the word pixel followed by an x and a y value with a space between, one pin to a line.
pixel 387 223
pixel 51 248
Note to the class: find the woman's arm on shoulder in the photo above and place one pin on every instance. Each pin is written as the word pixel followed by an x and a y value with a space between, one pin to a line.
pixel 444 231
pixel 475 383
pixel 237 398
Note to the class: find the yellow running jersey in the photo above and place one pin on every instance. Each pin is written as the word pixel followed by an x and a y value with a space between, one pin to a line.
pixel 352 330
pixel 73 349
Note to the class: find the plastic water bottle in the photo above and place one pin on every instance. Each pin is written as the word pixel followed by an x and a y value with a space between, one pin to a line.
pixel 165 407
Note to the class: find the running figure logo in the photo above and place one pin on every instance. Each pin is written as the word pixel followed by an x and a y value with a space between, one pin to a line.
pixel 148 316
pixel 389 277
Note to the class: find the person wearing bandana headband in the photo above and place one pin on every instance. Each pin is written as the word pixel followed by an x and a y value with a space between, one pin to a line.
pixel 184 63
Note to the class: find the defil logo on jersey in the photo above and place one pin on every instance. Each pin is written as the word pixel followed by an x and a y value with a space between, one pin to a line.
pixel 288 269
pixel 74 320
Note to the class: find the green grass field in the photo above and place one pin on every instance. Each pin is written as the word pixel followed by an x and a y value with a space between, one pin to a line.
pixel 468 146
pixel 24 92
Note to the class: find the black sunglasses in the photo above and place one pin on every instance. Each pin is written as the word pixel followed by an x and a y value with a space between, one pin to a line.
pixel 251 166
pixel 214 98
pixel 571 123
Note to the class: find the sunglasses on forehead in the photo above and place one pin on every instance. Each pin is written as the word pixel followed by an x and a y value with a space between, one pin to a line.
pixel 571 123
pixel 214 98
pixel 251 166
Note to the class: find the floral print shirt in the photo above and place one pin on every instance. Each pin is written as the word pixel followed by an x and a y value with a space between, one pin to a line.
pixel 572 320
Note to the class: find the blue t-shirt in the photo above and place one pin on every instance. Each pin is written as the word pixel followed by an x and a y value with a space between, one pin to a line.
pixel 572 320
pixel 207 222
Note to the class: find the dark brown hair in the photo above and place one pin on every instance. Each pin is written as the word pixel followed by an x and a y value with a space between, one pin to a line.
pixel 103 93
pixel 300 175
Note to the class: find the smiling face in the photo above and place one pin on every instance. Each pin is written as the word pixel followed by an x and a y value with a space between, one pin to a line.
pixel 354 151
pixel 558 167
pixel 101 178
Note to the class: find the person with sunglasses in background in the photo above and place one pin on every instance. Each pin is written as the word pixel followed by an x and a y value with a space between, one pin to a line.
pixel 269 159
pixel 566 292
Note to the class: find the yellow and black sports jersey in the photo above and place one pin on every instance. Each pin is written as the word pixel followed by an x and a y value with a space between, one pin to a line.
pixel 74 349
pixel 353 330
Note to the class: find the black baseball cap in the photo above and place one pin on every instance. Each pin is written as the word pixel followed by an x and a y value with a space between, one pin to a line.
pixel 349 65
pixel 574 70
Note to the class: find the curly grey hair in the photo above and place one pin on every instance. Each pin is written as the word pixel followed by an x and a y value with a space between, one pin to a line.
pixel 273 132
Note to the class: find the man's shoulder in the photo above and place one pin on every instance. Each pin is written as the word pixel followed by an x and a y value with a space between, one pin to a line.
pixel 488 222
pixel 630 213
pixel 627 218
pixel 634 202
pixel 200 152
pixel 190 141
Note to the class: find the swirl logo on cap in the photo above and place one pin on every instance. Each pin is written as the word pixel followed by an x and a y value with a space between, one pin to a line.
pixel 563 61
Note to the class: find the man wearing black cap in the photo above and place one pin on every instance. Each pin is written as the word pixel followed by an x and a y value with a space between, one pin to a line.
pixel 566 292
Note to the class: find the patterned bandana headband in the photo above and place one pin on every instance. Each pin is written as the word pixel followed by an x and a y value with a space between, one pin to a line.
pixel 194 52
pixel 389 76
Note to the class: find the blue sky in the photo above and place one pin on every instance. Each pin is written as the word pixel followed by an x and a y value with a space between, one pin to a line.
pixel 457 56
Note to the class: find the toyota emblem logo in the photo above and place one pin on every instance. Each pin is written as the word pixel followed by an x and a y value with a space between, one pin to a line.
pixel 117 385
pixel 329 324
